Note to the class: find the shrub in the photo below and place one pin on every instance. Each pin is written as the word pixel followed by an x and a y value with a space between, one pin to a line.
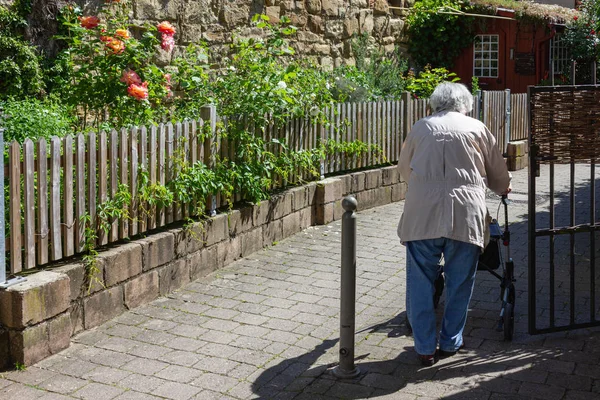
pixel 423 84
pixel 32 118
pixel 20 70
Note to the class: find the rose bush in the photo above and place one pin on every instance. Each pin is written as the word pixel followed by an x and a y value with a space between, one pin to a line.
pixel 109 75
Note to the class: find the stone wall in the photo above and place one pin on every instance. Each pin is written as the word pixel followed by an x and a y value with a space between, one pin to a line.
pixel 325 27
pixel 38 317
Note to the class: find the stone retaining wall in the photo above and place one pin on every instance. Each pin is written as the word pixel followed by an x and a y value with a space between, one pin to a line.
pixel 325 27
pixel 38 317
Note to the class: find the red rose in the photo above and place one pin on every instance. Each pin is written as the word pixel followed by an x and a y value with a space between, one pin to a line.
pixel 89 22
pixel 575 18
pixel 129 77
pixel 166 28
pixel 139 92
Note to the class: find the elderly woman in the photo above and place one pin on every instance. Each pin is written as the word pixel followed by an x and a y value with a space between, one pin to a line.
pixel 448 159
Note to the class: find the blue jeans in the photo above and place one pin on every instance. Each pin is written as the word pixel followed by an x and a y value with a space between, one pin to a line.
pixel 460 267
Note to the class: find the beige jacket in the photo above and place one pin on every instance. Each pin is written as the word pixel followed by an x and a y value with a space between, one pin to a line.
pixel 448 159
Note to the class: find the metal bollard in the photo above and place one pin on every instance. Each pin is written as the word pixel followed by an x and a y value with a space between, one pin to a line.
pixel 346 368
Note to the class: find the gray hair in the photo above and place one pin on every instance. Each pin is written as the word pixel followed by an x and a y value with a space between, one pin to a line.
pixel 450 96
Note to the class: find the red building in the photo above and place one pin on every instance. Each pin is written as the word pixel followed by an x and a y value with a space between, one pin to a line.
pixel 512 54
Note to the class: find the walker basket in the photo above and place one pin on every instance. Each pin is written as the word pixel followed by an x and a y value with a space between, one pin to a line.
pixel 490 258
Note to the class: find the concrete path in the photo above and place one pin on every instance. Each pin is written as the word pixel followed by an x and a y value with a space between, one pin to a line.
pixel 267 327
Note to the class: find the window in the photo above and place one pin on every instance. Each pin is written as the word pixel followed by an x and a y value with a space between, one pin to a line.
pixel 485 56
pixel 559 55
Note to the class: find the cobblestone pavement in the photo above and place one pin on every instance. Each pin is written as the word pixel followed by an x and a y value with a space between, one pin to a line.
pixel 267 327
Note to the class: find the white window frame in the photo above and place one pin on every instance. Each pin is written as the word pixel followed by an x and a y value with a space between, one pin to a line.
pixel 560 55
pixel 486 56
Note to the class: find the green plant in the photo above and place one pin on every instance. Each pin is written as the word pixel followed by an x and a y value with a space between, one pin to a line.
pixel 437 38
pixel 107 73
pixel 423 84
pixel 32 118
pixel 376 75
pixel 581 38
pixel 20 70
pixel 475 85
pixel 20 367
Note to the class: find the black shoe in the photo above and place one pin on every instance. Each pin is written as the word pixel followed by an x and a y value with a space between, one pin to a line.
pixel 446 354
pixel 427 360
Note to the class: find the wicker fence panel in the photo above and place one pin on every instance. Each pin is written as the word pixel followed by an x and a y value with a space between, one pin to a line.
pixel 566 124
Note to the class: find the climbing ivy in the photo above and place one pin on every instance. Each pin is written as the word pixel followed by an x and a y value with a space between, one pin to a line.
pixel 438 38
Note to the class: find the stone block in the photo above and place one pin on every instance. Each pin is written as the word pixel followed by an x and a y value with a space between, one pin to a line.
pixel 372 179
pixel 324 214
pixel 141 290
pixel 291 224
pixel 517 149
pixel 40 341
pixel 202 262
pixel 190 33
pixel 358 182
pixel 322 49
pixel 350 26
pixel 398 191
pixel 217 229
pixel 261 213
pixel 59 332
pixel 44 295
pixel 123 262
pixel 228 251
pixel 311 193
pixel 4 349
pixel 299 198
pixel 232 15
pixel 77 279
pixel 338 210
pixel 77 317
pixel 102 307
pixel 173 276
pixel 346 185
pixel 328 190
pixel 158 249
pixel 196 237
pixel 313 6
pixel 298 19
pixel 273 12
pixel 252 241
pixel 334 30
pixel 240 221
pixel 381 7
pixel 306 217
pixel 332 8
pixel 180 241
pixel 366 22
pixel 390 175
pixel 272 232
pixel 315 24
pixel 281 205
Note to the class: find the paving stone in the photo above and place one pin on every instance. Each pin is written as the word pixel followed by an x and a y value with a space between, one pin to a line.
pixel 178 373
pixel 107 375
pixel 98 391
pixel 131 395
pixel 147 350
pixel 217 382
pixel 20 391
pixel 144 366
pixel 539 391
pixel 176 391
pixel 32 376
pixel 141 383
pixel 63 384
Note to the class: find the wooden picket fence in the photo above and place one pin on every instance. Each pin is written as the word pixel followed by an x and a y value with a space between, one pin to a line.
pixel 54 184
pixel 519 119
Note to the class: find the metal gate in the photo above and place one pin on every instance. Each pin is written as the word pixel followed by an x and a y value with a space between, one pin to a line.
pixel 563 230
